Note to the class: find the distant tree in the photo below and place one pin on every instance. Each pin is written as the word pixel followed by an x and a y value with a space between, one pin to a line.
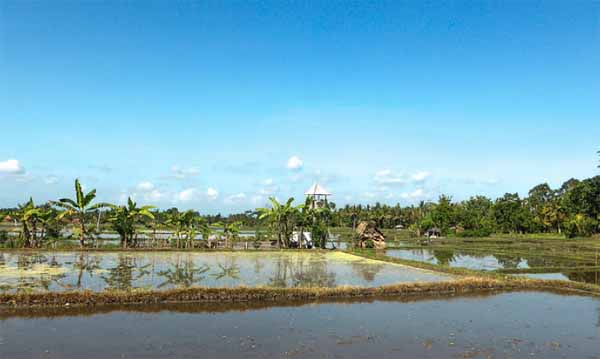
pixel 280 216
pixel 443 215
pixel 475 215
pixel 124 220
pixel 540 200
pixel 511 215
pixel 78 208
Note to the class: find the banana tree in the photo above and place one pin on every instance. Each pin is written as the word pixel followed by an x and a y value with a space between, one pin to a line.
pixel 304 216
pixel 48 223
pixel 124 219
pixel 231 231
pixel 77 209
pixel 27 214
pixel 281 217
pixel 319 219
pixel 184 225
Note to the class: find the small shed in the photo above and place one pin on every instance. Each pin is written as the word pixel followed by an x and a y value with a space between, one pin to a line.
pixel 369 235
pixel 433 232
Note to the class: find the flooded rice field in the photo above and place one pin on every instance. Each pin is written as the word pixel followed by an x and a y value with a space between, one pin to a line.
pixel 509 325
pixel 591 277
pixel 453 258
pixel 97 271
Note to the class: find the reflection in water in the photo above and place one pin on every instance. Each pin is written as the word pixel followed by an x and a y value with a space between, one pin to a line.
pixel 230 271
pixel 127 271
pixel 183 274
pixel 508 325
pixel 368 273
pixel 483 261
pixel 443 257
pixel 60 271
pixel 301 271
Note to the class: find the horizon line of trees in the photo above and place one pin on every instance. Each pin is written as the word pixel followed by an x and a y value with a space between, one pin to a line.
pixel 572 210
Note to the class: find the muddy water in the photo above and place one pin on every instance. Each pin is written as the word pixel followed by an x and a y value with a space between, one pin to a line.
pixel 97 271
pixel 511 325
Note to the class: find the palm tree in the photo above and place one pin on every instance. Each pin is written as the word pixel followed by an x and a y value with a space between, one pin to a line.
pixel 279 216
pixel 125 218
pixel 78 208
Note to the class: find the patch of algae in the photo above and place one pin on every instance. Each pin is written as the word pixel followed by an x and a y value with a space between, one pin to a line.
pixel 35 270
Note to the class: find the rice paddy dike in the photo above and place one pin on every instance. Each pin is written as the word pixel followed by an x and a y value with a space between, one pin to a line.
pixel 93 277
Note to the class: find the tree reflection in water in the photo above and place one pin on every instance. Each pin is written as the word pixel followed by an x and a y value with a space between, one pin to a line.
pixel 368 271
pixel 443 257
pixel 302 271
pixel 508 261
pixel 183 274
pixel 85 264
pixel 227 271
pixel 586 277
pixel 124 274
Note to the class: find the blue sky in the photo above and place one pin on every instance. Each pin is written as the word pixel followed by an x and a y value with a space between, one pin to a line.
pixel 217 105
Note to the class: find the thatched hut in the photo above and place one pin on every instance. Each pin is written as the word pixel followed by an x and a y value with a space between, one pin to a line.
pixel 369 236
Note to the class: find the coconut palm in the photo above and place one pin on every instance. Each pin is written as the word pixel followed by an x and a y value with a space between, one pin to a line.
pixel 125 218
pixel 78 208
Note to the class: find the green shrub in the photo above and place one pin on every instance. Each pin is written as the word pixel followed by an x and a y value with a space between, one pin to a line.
pixel 580 225
pixel 480 232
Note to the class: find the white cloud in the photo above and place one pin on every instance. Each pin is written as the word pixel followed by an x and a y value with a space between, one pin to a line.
pixel 212 193
pixel 11 167
pixel 418 193
pixel 257 199
pixel 194 194
pixel 187 195
pixel 421 176
pixel 145 186
pixel 235 198
pixel 154 196
pixel 387 177
pixel 183 173
pixel 369 195
pixel 268 188
pixel 51 179
pixel 295 163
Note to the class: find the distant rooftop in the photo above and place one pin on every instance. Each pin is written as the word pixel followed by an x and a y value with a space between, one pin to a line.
pixel 317 190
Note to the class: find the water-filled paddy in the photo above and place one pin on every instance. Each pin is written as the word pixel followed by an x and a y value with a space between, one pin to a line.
pixel 97 271
pixel 484 261
pixel 591 277
pixel 510 325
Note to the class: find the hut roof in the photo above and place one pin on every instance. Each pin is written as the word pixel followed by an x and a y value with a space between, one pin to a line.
pixel 317 190
pixel 364 226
